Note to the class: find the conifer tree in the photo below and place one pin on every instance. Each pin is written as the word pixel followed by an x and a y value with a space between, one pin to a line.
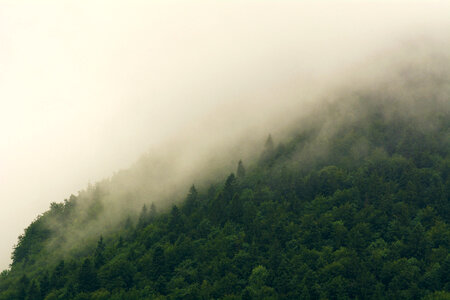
pixel 34 292
pixel 120 242
pixel 153 212
pixel 158 263
pixel 99 258
pixel 305 293
pixel 269 146
pixel 128 224
pixel 191 199
pixel 143 217
pixel 217 210
pixel 176 221
pixel 229 188
pixel 23 286
pixel 87 278
pixel 58 276
pixel 44 284
pixel 268 151
pixel 240 170
pixel 236 209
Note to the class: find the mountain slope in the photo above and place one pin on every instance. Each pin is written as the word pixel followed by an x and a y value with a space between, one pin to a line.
pixel 354 205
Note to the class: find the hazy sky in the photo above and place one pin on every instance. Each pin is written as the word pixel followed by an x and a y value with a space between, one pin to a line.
pixel 87 86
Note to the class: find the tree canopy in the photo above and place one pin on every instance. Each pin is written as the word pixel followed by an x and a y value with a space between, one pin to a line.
pixel 362 213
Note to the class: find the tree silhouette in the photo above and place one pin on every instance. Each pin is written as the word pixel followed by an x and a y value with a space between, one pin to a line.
pixel 240 172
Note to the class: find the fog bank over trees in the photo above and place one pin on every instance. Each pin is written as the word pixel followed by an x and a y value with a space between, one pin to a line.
pixel 85 90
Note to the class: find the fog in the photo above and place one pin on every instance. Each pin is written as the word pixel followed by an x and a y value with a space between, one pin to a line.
pixel 87 88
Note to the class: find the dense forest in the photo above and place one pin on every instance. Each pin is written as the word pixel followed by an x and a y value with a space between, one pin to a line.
pixel 354 204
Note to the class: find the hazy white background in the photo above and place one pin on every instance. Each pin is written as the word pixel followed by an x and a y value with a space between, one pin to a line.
pixel 87 86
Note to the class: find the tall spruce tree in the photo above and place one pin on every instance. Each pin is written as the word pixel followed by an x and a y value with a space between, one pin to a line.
pixel 87 277
pixel 99 256
pixel 191 201
pixel 240 172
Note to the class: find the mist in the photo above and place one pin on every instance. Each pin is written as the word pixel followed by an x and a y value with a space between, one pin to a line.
pixel 86 90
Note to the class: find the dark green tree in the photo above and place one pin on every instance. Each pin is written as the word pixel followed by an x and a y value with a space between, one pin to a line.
pixel 305 293
pixel 229 188
pixel 99 255
pixel 269 150
pixel 58 277
pixel 153 212
pixel 34 292
pixel 236 209
pixel 44 284
pixel 143 217
pixel 87 277
pixel 191 201
pixel 257 287
pixel 240 172
pixel 158 264
pixel 175 220
pixel 22 287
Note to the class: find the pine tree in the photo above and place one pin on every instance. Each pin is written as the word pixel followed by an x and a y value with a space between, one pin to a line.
pixel 128 224
pixel 269 146
pixel 58 277
pixel 120 242
pixel 34 292
pixel 44 283
pixel 143 217
pixel 175 221
pixel 158 263
pixel 23 287
pixel 87 278
pixel 218 208
pixel 191 201
pixel 99 258
pixel 305 293
pixel 153 212
pixel 240 170
pixel 268 151
pixel 229 188
pixel 236 209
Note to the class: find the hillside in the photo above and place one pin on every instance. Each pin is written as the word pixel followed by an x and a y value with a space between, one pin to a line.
pixel 353 205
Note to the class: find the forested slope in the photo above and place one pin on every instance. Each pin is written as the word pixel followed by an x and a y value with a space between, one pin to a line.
pixel 354 205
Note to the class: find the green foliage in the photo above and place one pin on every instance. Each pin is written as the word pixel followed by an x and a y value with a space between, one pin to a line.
pixel 366 218
pixel 240 172
pixel 190 204
pixel 87 277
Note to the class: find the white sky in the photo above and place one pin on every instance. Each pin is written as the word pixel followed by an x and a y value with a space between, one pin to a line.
pixel 87 86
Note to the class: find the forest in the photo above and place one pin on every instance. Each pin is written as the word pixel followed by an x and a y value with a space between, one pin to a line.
pixel 353 204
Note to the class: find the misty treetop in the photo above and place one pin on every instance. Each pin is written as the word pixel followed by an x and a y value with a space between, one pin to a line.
pixel 346 208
